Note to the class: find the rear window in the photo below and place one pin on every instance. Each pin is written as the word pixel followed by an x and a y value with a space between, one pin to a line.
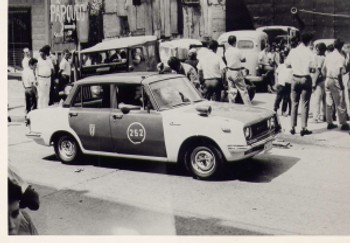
pixel 245 44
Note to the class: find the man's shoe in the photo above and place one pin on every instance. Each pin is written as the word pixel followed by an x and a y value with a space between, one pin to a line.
pixel 292 131
pixel 331 126
pixel 345 127
pixel 305 132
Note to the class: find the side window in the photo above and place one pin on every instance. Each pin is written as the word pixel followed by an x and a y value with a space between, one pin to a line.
pixel 77 99
pixel 137 55
pixel 133 95
pixel 95 96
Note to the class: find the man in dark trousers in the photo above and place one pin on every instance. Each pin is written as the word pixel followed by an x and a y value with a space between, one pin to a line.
pixel 301 60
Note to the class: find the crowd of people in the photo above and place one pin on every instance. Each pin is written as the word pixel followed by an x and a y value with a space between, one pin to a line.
pixel 42 78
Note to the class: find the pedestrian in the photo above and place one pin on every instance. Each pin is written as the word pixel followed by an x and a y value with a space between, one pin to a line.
pixel 44 72
pixel 184 69
pixel 25 60
pixel 318 85
pixel 65 70
pixel 192 58
pixel 20 196
pixel 54 77
pixel 265 61
pixel 30 85
pixel 283 89
pixel 301 60
pixel 334 68
pixel 234 73
pixel 211 68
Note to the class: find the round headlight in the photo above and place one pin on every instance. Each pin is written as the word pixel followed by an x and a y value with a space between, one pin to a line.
pixel 247 132
pixel 273 122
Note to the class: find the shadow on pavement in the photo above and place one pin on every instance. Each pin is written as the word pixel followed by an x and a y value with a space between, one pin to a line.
pixel 261 169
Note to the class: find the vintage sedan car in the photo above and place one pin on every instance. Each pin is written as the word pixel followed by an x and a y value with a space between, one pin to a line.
pixel 150 116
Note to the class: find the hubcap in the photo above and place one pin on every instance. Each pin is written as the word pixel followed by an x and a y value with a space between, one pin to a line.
pixel 67 148
pixel 203 161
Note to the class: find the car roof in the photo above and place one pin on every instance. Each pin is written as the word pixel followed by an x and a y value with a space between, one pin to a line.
pixel 128 78
pixel 327 42
pixel 184 43
pixel 283 27
pixel 117 43
pixel 242 34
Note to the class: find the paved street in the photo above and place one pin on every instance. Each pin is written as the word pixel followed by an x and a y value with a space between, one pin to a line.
pixel 301 190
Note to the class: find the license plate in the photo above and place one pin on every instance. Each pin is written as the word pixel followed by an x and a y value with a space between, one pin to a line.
pixel 268 146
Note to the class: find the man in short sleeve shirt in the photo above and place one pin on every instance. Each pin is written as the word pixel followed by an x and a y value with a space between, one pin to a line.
pixel 301 60
pixel 211 68
pixel 334 68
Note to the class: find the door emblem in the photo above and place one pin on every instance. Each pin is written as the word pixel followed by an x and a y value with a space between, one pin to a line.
pixel 136 133
pixel 92 129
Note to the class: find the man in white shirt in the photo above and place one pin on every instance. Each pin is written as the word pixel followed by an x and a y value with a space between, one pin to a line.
pixel 44 73
pixel 65 69
pixel 301 60
pixel 26 53
pixel 266 60
pixel 29 84
pixel 235 77
pixel 211 68
pixel 334 68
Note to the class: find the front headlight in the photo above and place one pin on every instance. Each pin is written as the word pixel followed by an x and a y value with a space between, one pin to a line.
pixel 272 122
pixel 247 132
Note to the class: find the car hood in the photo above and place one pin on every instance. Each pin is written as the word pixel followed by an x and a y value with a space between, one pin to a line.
pixel 241 113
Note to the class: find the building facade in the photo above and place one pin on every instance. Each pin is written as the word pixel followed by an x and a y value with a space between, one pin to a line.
pixel 76 24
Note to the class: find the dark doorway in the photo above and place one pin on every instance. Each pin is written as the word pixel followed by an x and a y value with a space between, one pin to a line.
pixel 19 34
pixel 238 16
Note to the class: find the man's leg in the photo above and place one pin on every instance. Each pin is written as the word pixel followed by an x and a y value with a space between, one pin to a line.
pixel 339 100
pixel 242 88
pixel 305 101
pixel 329 86
pixel 279 97
pixel 27 99
pixel 295 97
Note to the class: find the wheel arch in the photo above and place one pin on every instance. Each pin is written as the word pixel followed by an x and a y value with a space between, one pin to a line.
pixel 59 133
pixel 191 141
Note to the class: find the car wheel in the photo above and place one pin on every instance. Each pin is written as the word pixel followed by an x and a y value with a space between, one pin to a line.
pixel 67 149
pixel 204 161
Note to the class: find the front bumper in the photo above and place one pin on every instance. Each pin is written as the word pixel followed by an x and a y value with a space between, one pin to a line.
pixel 239 152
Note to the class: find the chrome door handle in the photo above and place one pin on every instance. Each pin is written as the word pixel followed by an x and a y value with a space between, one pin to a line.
pixel 71 114
pixel 117 116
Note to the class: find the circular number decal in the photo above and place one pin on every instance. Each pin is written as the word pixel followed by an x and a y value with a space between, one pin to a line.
pixel 136 133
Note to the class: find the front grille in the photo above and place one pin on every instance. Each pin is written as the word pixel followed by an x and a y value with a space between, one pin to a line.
pixel 259 129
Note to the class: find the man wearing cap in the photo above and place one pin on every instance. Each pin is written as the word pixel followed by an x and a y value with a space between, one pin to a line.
pixel 211 68
pixel 235 78
pixel 65 70
pixel 334 68
pixel 301 60
pixel 44 73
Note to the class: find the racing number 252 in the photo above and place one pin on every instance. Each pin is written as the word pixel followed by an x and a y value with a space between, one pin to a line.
pixel 136 132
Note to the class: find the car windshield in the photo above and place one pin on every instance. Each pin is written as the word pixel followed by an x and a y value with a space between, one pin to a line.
pixel 105 57
pixel 174 93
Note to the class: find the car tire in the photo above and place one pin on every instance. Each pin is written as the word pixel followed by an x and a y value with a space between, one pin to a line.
pixel 204 161
pixel 67 149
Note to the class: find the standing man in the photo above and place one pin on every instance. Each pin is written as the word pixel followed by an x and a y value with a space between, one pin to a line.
pixel 29 84
pixel 44 73
pixel 184 69
pixel 334 68
pixel 25 61
pixel 265 61
pixel 54 78
pixel 65 70
pixel 211 68
pixel 301 60
pixel 235 78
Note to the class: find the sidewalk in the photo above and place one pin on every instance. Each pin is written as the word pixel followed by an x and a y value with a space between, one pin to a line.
pixel 321 136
